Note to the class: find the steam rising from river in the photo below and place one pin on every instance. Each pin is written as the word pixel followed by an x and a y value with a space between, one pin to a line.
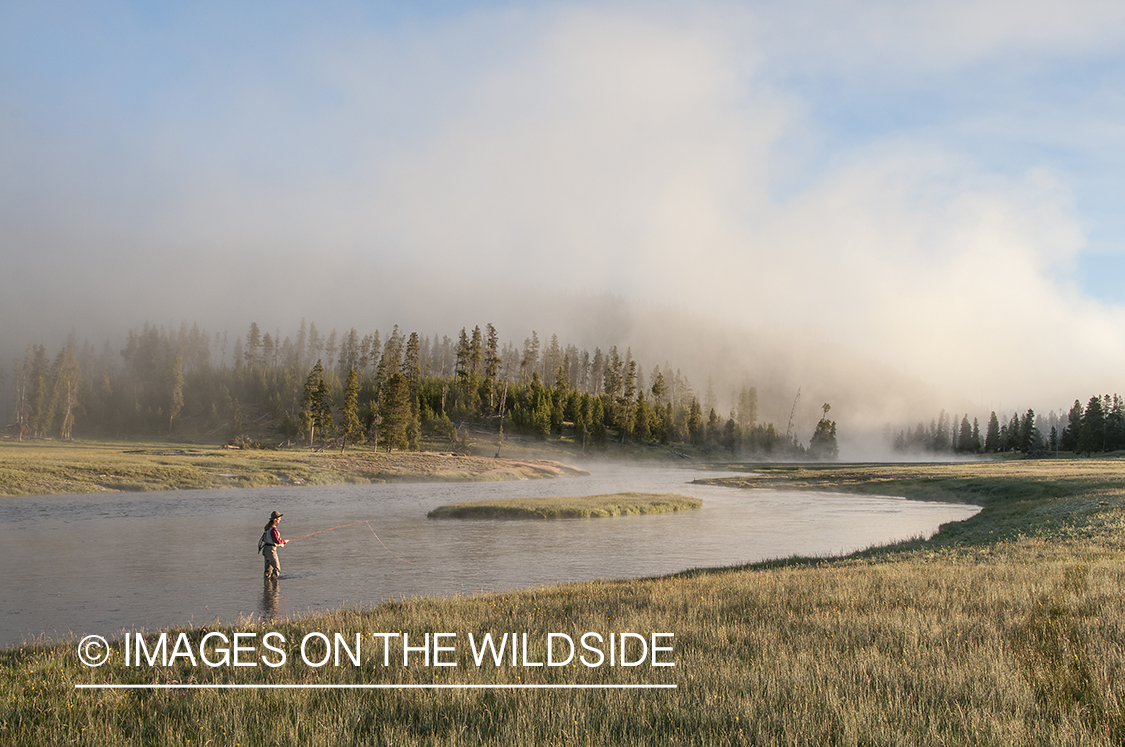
pixel 618 176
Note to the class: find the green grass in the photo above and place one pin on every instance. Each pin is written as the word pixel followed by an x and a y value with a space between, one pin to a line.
pixel 578 507
pixel 1005 629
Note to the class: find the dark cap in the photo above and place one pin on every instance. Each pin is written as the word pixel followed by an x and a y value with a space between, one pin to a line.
pixel 275 515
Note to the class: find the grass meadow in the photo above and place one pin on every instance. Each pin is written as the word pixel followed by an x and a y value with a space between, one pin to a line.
pixel 57 467
pixel 1005 629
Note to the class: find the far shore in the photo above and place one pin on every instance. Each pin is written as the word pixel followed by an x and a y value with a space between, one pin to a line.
pixel 55 468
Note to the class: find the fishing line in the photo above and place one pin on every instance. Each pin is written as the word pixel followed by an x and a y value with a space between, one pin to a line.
pixel 329 529
pixel 368 523
pixel 354 523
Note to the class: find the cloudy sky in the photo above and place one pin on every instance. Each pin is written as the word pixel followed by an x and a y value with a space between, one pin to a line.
pixel 936 187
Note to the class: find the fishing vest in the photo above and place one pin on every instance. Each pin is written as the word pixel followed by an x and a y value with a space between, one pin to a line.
pixel 266 539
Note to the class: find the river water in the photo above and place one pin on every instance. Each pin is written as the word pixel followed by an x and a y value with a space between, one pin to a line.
pixel 103 563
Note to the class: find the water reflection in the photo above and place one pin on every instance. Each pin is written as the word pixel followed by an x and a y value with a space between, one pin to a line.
pixel 98 564
pixel 271 598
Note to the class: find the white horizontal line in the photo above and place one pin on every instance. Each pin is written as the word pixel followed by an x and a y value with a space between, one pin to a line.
pixel 283 686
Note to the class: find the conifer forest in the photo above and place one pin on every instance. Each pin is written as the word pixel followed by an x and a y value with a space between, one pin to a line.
pixel 330 391
pixel 393 393
pixel 388 393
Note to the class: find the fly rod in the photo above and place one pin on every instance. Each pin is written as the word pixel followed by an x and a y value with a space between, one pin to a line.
pixel 354 523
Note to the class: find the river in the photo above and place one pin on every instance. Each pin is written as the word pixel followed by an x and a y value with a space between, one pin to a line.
pixel 102 563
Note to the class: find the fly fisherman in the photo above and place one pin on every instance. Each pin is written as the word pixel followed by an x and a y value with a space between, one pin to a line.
pixel 269 543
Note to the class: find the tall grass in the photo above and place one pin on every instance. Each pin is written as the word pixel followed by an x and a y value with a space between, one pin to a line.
pixel 1007 630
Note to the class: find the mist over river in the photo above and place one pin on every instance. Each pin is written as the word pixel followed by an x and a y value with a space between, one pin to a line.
pixel 107 562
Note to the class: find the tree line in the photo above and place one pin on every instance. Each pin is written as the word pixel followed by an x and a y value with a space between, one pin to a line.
pixel 1097 427
pixel 390 393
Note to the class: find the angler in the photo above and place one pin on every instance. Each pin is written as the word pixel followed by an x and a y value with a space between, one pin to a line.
pixel 268 544
pixel 271 540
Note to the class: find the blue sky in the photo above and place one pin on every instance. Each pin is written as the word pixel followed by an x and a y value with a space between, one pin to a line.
pixel 858 168
pixel 1061 112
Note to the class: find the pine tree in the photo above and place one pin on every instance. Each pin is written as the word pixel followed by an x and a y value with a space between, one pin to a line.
pixel 269 351
pixel 412 363
pixel 476 354
pixel 390 362
pixel 711 430
pixel 747 407
pixel 1012 434
pixel 695 423
pixel 992 435
pixel 939 439
pixel 611 376
pixel 463 366
pixel 657 425
pixel 628 390
pixel 1069 439
pixel 965 436
pixel 582 420
pixel 395 413
pixel 659 387
pixel 1029 437
pixel 530 359
pixel 710 401
pixel 310 405
pixel 316 342
pixel 1091 437
pixel 349 352
pixel 597 371
pixel 597 422
pixel 1115 424
pixel 732 434
pixel 374 353
pixel 552 359
pixel 253 345
pixel 331 346
pixel 641 421
pixel 350 428
pixel 491 364
pixel 324 419
pixel 822 446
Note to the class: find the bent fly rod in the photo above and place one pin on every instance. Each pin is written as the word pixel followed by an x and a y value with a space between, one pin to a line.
pixel 354 523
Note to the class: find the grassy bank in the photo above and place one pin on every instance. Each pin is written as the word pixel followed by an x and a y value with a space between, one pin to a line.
pixel 1006 629
pixel 576 507
pixel 55 467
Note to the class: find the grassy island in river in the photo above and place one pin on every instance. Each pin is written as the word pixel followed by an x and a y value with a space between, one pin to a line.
pixel 1003 629
pixel 579 507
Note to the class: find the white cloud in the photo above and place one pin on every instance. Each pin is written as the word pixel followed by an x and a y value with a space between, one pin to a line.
pixel 636 157
pixel 634 153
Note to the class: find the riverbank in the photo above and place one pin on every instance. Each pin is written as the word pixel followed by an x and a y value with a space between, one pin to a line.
pixel 56 467
pixel 1003 629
